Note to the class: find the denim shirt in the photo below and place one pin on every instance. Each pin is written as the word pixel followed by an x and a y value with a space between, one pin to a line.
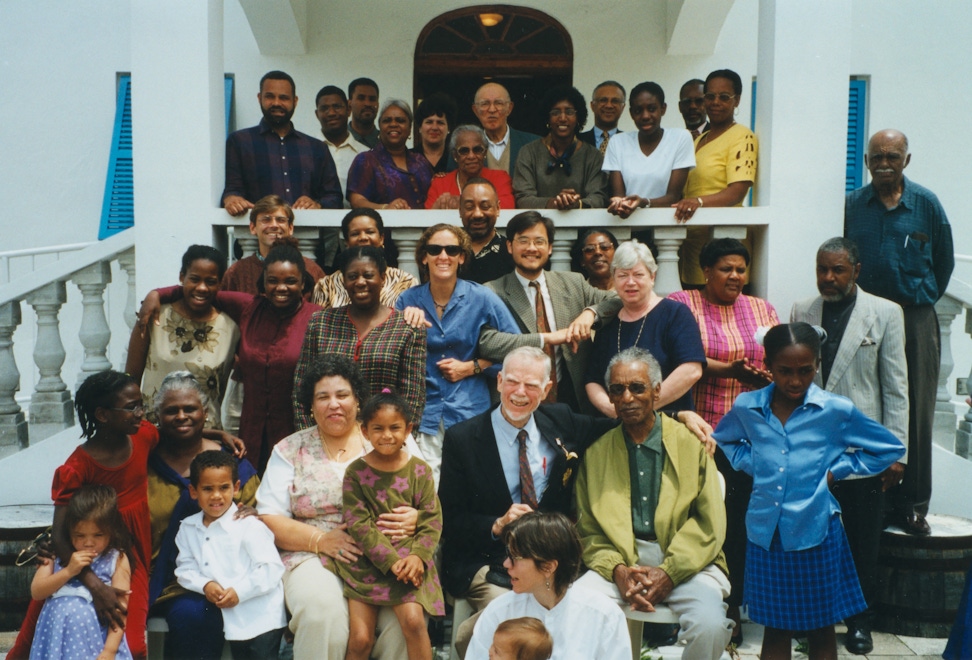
pixel 456 335
pixel 789 463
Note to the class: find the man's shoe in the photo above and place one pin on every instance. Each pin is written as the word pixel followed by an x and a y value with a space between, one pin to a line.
pixel 858 640
pixel 915 524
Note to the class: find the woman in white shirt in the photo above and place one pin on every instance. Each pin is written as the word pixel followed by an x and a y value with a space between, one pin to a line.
pixel 543 559
pixel 648 167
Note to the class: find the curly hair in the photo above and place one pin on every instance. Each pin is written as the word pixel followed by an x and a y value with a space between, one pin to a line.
pixel 332 364
pixel 98 391
pixel 564 93
pixel 427 235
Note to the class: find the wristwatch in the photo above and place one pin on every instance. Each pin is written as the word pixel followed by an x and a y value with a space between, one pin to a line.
pixel 476 368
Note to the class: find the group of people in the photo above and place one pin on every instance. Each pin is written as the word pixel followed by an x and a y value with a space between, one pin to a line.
pixel 552 444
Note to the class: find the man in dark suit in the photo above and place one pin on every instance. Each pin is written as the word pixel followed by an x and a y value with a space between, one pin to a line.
pixel 563 298
pixel 492 106
pixel 607 106
pixel 482 487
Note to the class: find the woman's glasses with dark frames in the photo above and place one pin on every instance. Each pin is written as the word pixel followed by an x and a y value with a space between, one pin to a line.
pixel 434 250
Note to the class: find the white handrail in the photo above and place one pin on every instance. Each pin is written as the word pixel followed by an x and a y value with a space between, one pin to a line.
pixel 7 256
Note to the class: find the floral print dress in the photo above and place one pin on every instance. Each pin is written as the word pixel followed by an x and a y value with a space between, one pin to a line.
pixel 205 349
pixel 369 492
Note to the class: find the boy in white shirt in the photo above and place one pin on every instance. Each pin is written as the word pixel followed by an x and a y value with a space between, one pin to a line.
pixel 233 563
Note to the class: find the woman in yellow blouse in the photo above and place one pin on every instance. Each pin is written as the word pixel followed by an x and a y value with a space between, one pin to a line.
pixel 725 167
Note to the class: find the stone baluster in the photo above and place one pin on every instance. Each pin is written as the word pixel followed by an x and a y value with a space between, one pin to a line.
pixel 13 424
pixel 560 259
pixel 963 436
pixel 50 405
pixel 95 333
pixel 249 245
pixel 943 431
pixel 307 245
pixel 126 261
pixel 668 240
pixel 407 239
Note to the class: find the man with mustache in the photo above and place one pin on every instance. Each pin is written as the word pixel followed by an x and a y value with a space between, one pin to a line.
pixel 692 107
pixel 607 106
pixel 907 257
pixel 862 358
pixel 363 103
pixel 273 158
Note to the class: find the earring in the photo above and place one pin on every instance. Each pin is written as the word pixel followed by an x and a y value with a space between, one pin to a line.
pixel 548 584
pixel 735 111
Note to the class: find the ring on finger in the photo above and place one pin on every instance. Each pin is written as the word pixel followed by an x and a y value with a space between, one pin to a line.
pixel 341 551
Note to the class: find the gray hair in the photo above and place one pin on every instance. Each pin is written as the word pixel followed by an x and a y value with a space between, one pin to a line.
pixel 401 105
pixel 841 244
pixel 529 353
pixel 635 354
pixel 631 253
pixel 466 128
pixel 177 381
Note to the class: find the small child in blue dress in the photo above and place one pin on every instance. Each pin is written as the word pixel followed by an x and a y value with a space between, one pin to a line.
pixel 796 440
pixel 68 625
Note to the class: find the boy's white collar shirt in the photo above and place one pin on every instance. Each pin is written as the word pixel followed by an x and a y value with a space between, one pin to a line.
pixel 238 554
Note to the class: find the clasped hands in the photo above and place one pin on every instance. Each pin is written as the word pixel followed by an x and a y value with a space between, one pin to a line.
pixel 642 587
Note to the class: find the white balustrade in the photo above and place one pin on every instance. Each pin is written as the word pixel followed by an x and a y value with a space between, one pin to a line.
pixel 95 333
pixel 50 405
pixel 13 425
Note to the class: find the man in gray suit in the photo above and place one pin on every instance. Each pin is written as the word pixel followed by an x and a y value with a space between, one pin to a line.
pixel 863 358
pixel 549 307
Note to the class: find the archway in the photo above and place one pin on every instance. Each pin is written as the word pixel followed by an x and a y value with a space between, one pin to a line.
pixel 525 50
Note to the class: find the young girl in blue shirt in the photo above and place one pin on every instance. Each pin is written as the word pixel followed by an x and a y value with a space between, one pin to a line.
pixel 796 440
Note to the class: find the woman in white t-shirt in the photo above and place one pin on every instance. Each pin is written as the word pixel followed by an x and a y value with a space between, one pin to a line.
pixel 647 168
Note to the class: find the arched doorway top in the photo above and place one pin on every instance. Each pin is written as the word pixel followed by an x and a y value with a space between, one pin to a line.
pixel 512 39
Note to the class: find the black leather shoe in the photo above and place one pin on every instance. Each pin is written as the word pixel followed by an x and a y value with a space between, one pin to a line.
pixel 858 640
pixel 915 524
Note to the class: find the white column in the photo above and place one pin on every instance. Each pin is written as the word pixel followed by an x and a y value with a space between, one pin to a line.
pixel 803 72
pixel 560 259
pixel 947 308
pixel 177 83
pixel 95 333
pixel 963 436
pixel 13 425
pixel 50 405
pixel 668 240
pixel 126 261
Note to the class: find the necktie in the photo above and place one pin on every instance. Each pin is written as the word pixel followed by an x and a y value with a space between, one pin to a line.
pixel 605 138
pixel 528 494
pixel 543 326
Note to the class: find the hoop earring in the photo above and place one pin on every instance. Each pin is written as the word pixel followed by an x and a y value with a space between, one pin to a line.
pixel 735 111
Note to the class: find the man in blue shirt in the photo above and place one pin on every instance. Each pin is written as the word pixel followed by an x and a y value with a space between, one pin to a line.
pixel 273 158
pixel 907 257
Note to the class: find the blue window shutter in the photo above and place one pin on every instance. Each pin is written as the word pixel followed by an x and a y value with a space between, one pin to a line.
pixel 855 134
pixel 118 206
pixel 228 99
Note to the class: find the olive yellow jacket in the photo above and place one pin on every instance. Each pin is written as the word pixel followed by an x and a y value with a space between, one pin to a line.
pixel 690 520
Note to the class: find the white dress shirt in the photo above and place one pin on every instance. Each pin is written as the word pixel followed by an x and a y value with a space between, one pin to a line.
pixel 540 454
pixel 497 148
pixel 531 294
pixel 238 554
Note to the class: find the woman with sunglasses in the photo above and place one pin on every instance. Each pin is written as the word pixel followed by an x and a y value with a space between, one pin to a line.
pixel 456 310
pixel 560 171
pixel 725 167
pixel 468 147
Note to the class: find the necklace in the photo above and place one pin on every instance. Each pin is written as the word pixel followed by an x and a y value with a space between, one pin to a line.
pixel 438 306
pixel 336 457
pixel 640 330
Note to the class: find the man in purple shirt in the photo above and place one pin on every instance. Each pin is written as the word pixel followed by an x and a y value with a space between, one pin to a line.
pixel 274 158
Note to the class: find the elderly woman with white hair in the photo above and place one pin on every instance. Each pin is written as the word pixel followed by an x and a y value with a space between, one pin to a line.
pixel 390 176
pixel 662 326
pixel 468 148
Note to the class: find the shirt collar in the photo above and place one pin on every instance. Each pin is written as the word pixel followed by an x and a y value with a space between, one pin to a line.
pixel 525 283
pixel 907 194
pixel 221 521
pixel 764 397
pixel 506 138
pixel 266 128
pixel 503 431
pixel 652 442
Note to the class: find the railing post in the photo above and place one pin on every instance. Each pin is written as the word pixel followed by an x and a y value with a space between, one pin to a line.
pixel 668 240
pixel 95 333
pixel 943 431
pixel 308 245
pixel 249 245
pixel 963 436
pixel 560 259
pixel 407 239
pixel 126 261
pixel 13 425
pixel 50 405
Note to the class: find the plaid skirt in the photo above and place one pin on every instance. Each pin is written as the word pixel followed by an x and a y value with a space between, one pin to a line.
pixel 803 589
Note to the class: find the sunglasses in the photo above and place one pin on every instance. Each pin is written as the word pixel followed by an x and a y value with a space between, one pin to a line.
pixel 478 150
pixel 636 388
pixel 591 249
pixel 434 250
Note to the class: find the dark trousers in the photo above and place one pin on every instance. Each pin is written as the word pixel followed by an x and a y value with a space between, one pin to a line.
pixel 739 486
pixel 261 647
pixel 923 350
pixel 195 627
pixel 862 511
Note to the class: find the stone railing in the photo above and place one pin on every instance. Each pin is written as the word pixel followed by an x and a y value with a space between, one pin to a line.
pixel 45 290
pixel 959 297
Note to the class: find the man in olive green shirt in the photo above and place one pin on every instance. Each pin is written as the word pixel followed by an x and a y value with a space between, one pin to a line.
pixel 650 512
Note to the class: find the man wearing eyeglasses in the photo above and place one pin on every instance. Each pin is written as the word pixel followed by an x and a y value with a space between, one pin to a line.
pixel 650 512
pixel 545 306
pixel 691 103
pixel 479 209
pixel 492 106
pixel 607 106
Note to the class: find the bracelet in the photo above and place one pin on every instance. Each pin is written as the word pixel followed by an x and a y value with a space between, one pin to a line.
pixel 316 539
pixel 580 204
pixel 699 200
pixel 647 203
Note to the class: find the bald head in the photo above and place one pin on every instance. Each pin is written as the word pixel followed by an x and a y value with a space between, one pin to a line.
pixel 492 105
pixel 887 157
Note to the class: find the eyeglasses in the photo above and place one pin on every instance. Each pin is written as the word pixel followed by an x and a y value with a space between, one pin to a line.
pixel 569 112
pixel 479 150
pixel 526 241
pixel 725 98
pixel 618 389
pixel 434 250
pixel 602 247
pixel 279 219
pixel 486 105
pixel 136 409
